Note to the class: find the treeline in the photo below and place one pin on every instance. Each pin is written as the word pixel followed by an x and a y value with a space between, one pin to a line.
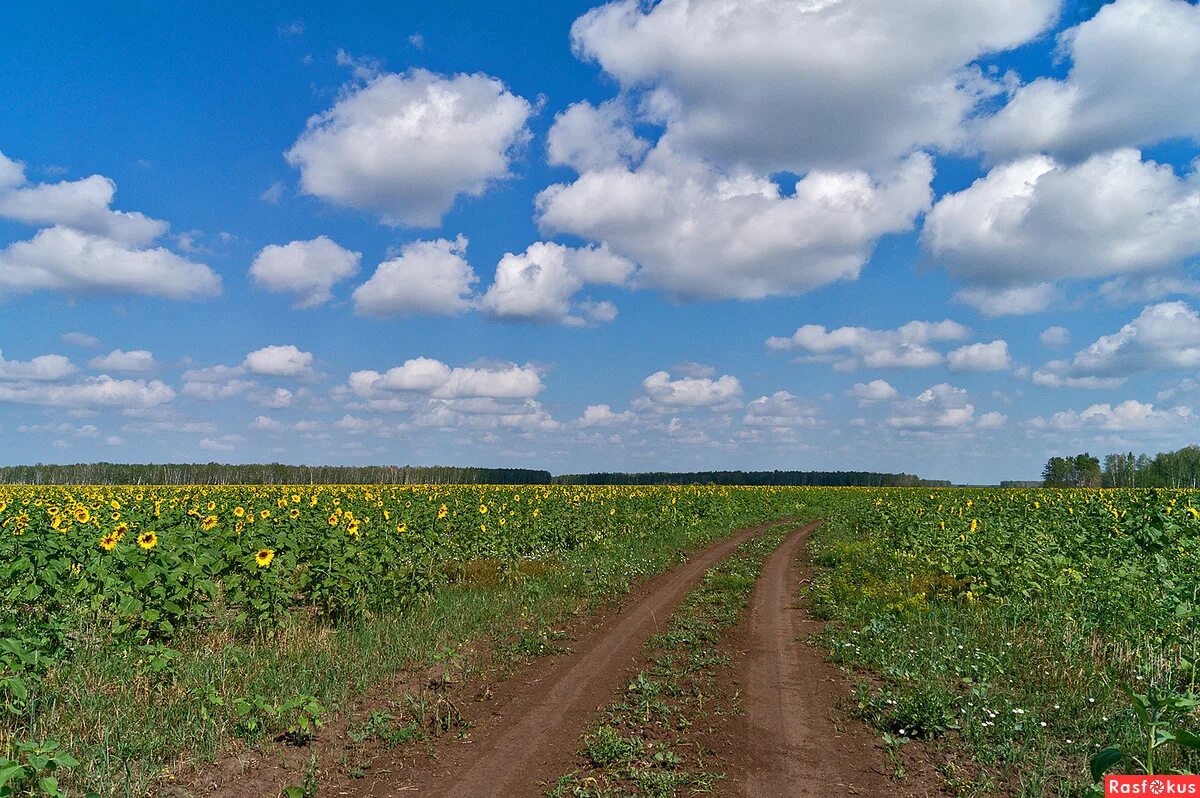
pixel 1177 469
pixel 264 474
pixel 799 478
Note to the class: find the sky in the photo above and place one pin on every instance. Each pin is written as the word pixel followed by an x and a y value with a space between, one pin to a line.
pixel 950 238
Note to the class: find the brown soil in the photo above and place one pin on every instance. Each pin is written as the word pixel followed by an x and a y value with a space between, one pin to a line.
pixel 525 731
pixel 793 738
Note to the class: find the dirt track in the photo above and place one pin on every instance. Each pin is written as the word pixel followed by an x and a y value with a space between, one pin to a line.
pixel 793 741
pixel 528 735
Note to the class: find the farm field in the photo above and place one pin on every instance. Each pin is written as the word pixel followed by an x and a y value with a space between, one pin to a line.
pixel 999 629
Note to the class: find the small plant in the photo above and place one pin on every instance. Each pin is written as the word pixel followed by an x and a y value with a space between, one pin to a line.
pixel 32 772
pixel 1157 712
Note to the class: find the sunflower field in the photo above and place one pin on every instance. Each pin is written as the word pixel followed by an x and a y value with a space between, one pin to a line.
pixel 141 580
pixel 1041 632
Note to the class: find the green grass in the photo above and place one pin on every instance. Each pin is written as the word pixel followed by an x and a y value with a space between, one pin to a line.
pixel 101 703
pixel 1020 690
pixel 644 745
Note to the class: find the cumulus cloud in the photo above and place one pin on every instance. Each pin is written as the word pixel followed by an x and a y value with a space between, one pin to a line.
pixel 1018 300
pixel 434 378
pixel 86 247
pixel 698 232
pixel 539 284
pixel 308 269
pixel 941 407
pixel 1036 218
pixel 40 368
pixel 873 391
pixel 781 85
pixel 405 146
pixel 723 392
pixel 1128 416
pixel 980 357
pixel 427 278
pixel 280 361
pixel 1132 82
pixel 780 410
pixel 118 360
pixel 102 391
pixel 852 347
pixel 1055 336
pixel 1163 336
pixel 603 416
pixel 586 137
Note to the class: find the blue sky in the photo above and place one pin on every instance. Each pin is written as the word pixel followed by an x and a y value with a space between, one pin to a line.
pixel 717 234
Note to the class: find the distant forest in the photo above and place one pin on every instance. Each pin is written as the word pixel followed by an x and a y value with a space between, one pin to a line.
pixel 810 478
pixel 278 474
pixel 266 474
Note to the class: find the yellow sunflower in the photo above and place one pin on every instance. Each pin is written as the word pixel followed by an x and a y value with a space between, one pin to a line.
pixel 208 523
pixel 147 540
pixel 263 557
pixel 109 541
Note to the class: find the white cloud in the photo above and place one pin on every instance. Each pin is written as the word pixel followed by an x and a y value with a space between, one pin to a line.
pixel 941 407
pixel 1018 300
pixel 701 233
pixel 80 339
pixel 225 443
pixel 74 262
pixel 280 361
pixel 41 368
pixel 780 410
pixel 586 137
pixel 540 283
pixel 102 391
pixel 424 375
pixel 308 269
pixel 267 424
pixel 86 247
pixel 873 391
pixel 1128 416
pixel 136 360
pixel 1126 291
pixel 1163 336
pixel 603 416
pixel 722 392
pixel 1055 336
pixel 991 420
pixel 1132 82
pixel 980 357
pixel 427 278
pixel 782 85
pixel 1036 219
pixel 405 146
pixel 851 347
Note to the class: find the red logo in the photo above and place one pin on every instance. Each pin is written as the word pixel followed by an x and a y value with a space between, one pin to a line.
pixel 1151 785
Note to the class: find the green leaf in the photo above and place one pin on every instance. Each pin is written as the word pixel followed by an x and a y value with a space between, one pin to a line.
pixel 10 773
pixel 49 785
pixel 1104 760
pixel 1188 740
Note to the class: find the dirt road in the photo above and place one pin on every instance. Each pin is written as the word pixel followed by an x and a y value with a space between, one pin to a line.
pixel 530 730
pixel 792 740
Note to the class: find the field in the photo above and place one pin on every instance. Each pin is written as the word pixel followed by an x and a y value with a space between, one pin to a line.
pixel 1018 637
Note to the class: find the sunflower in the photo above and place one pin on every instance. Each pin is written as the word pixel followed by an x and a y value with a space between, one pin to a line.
pixel 402 527
pixel 265 514
pixel 293 513
pixel 120 529
pixel 239 511
pixel 352 529
pixel 263 557
pixel 333 520
pixel 443 511
pixel 147 540
pixel 483 509
pixel 208 523
pixel 109 541
pixel 82 515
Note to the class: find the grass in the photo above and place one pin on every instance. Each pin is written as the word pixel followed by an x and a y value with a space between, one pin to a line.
pixel 101 702
pixel 1016 694
pixel 648 743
